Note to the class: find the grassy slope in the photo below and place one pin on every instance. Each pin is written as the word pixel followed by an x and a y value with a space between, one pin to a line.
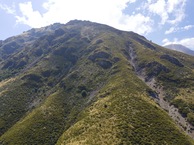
pixel 33 84
pixel 59 111
pixel 116 105
pixel 178 83
pixel 125 115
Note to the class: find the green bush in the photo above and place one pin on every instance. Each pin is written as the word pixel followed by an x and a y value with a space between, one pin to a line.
pixel 84 93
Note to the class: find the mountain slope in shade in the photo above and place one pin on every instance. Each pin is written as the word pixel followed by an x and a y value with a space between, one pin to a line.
pixel 88 83
pixel 180 48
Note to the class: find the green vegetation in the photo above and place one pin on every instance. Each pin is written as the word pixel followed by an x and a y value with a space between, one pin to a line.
pixel 74 84
pixel 123 116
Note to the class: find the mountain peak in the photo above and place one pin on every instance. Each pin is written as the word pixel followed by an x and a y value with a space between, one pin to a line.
pixel 89 83
pixel 72 22
pixel 180 48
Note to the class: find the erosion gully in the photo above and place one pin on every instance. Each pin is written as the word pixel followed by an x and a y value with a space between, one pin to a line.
pixel 159 95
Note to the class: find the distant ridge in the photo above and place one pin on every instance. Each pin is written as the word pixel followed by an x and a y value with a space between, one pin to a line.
pixel 180 48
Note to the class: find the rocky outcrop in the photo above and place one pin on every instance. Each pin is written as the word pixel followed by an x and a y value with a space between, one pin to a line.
pixel 172 60
pixel 103 59
pixel 101 54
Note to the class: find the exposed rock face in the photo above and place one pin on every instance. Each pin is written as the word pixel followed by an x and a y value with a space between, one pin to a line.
pixel 103 59
pixel 172 60
pixel 104 64
pixel 98 55
pixel 153 69
pixel 146 44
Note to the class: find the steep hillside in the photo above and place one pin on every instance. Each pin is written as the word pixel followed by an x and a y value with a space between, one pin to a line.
pixel 180 48
pixel 88 83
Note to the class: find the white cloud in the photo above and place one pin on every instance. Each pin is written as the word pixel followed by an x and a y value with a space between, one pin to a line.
pixel 114 13
pixel 137 22
pixel 29 17
pixel 7 9
pixel 179 29
pixel 159 9
pixel 177 8
pixel 188 27
pixel 171 30
pixel 188 42
pixel 102 11
pixel 165 41
pixel 170 11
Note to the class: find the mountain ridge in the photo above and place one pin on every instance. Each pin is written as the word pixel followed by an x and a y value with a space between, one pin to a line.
pixel 180 48
pixel 88 83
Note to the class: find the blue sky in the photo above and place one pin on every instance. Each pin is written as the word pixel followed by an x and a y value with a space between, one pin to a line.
pixel 162 21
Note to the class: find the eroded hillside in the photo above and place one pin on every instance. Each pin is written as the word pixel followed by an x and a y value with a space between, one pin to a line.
pixel 87 83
